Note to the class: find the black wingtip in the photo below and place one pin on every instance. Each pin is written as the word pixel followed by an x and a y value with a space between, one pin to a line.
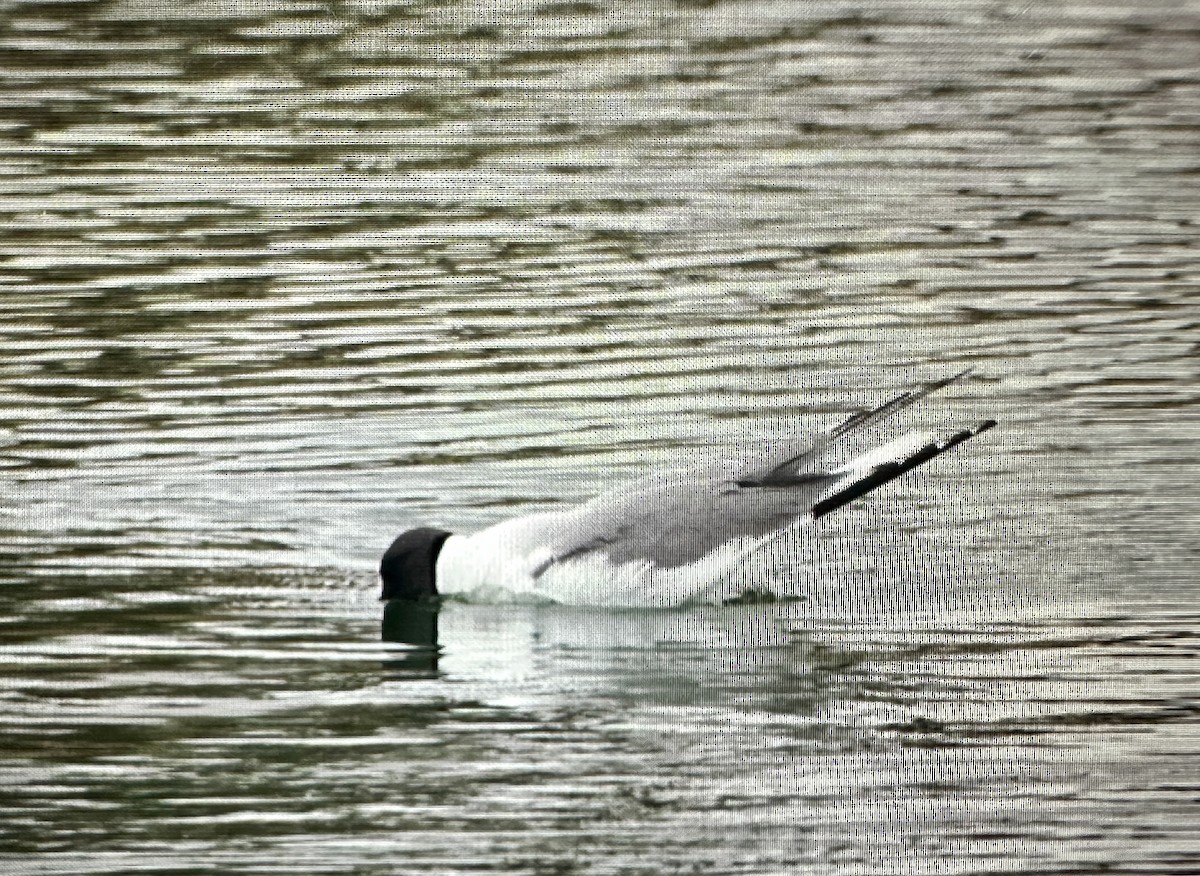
pixel 946 381
pixel 904 400
pixel 889 471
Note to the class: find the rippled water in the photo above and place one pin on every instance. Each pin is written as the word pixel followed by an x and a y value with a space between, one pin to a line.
pixel 282 279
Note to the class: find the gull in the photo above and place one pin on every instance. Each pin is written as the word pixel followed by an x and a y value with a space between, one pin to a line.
pixel 672 533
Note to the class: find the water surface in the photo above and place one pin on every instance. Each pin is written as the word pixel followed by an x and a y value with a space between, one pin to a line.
pixel 280 280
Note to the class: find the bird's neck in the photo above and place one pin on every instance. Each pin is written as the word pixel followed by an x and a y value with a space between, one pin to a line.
pixel 483 560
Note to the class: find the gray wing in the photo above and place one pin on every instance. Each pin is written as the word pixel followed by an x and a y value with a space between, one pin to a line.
pixel 673 519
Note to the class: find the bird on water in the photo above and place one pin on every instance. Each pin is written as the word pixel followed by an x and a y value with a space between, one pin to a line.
pixel 673 532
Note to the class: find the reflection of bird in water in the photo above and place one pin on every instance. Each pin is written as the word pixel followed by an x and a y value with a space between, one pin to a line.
pixel 672 534
pixel 414 624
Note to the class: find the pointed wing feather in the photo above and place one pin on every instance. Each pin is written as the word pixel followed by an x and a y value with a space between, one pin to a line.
pixel 793 461
pixel 862 481
pixel 864 419
pixel 673 519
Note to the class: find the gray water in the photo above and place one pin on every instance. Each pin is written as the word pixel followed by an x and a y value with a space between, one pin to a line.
pixel 283 279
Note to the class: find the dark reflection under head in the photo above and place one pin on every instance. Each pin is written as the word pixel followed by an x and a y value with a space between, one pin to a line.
pixel 413 623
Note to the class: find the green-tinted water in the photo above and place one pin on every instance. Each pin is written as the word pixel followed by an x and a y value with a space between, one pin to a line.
pixel 280 280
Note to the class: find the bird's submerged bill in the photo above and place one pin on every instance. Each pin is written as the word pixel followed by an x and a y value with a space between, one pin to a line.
pixel 672 536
